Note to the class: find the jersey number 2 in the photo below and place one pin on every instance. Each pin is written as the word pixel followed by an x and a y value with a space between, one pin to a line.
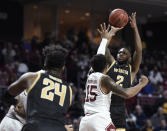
pixel 90 95
pixel 120 79
pixel 52 89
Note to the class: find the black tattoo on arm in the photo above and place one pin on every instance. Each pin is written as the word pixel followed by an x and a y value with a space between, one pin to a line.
pixel 110 85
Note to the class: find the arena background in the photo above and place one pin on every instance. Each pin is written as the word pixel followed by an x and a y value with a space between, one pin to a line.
pixel 26 26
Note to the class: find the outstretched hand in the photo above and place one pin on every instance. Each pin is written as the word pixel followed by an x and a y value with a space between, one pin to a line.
pixel 108 32
pixel 133 20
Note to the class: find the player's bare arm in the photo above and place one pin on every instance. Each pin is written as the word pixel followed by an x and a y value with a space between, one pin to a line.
pixel 107 33
pixel 137 56
pixel 108 84
pixel 24 82
pixel 109 57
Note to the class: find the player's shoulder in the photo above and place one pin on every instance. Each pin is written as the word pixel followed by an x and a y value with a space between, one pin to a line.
pixel 34 75
pixel 105 77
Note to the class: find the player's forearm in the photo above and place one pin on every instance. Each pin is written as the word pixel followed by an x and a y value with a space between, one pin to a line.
pixel 108 56
pixel 14 89
pixel 110 85
pixel 138 44
pixel 133 90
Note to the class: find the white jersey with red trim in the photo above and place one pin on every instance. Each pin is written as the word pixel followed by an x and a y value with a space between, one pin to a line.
pixel 96 101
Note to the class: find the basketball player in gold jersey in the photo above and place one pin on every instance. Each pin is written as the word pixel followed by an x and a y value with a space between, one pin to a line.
pixel 49 97
pixel 123 71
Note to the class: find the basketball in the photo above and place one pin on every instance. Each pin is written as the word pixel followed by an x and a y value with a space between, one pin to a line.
pixel 118 18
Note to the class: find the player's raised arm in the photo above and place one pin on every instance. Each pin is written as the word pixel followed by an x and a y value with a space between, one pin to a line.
pixel 137 56
pixel 106 35
pixel 109 85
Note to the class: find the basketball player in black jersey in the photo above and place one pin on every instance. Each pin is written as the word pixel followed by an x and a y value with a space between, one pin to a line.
pixel 49 97
pixel 123 71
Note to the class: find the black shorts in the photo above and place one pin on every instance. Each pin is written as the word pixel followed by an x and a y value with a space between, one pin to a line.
pixel 118 116
pixel 41 126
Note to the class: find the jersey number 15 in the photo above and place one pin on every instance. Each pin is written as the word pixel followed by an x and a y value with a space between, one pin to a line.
pixel 90 95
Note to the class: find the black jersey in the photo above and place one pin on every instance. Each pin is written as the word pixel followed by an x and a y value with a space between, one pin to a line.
pixel 122 76
pixel 48 99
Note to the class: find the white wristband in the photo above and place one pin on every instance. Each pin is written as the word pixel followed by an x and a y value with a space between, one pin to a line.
pixel 102 47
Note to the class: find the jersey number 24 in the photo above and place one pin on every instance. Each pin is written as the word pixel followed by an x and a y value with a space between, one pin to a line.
pixel 53 88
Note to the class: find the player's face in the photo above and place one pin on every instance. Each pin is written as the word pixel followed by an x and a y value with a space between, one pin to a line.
pixel 123 55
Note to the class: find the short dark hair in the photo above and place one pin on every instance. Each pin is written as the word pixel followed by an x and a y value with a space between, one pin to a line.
pixel 128 48
pixel 55 56
pixel 98 62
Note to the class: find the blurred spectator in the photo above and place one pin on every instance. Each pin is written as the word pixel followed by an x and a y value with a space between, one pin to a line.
pixel 3 78
pixel 156 118
pixel 22 68
pixel 35 43
pixel 145 70
pixel 161 102
pixel 130 121
pixel 83 65
pixel 155 76
pixel 164 74
pixel 164 83
pixel 140 115
pixel 72 67
pixel 162 126
pixel 9 53
pixel 148 126
pixel 47 39
pixel 26 45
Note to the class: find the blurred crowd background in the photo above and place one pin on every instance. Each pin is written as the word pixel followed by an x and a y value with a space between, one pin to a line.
pixel 145 112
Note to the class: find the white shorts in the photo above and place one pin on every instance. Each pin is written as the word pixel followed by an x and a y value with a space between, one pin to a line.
pixel 96 122
pixel 9 124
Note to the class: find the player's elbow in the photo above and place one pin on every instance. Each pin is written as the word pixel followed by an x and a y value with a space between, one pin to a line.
pixel 127 95
pixel 139 51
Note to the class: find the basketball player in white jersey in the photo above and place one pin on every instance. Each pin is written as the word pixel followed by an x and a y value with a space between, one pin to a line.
pixel 15 118
pixel 99 88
